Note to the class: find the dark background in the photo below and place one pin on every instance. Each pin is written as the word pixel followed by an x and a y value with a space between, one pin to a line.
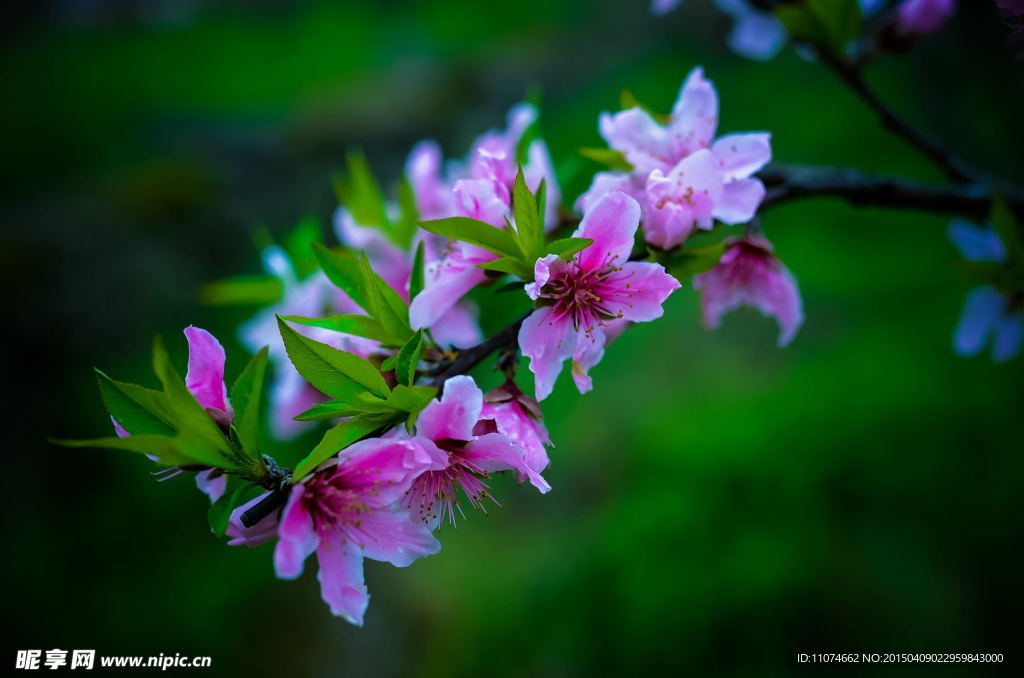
pixel 719 504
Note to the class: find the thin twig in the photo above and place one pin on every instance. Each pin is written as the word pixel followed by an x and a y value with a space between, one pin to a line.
pixel 791 182
pixel 953 166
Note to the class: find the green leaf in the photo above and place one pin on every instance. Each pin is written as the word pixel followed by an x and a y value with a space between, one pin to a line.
pixel 408 358
pixel 339 374
pixel 299 245
pixel 1005 222
pixel 343 271
pixel 408 215
pixel 529 226
pixel 566 247
pixel 386 305
pixel 246 397
pixel 260 290
pixel 168 450
pixel 332 409
pixel 338 438
pixel 609 157
pixel 354 324
pixel 139 410
pixel 475 232
pixel 189 417
pixel 693 260
pixel 417 280
pixel 411 398
pixel 360 193
pixel 219 513
pixel 827 24
pixel 508 265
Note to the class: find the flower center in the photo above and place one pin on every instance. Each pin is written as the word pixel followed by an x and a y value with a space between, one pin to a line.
pixel 331 504
pixel 433 495
pixel 585 295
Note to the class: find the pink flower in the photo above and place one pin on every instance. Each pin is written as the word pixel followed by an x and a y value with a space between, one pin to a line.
pixel 921 17
pixel 457 326
pixel 205 380
pixel 682 176
pixel 433 193
pixel 349 510
pixel 485 194
pixel 749 274
pixel 576 300
pixel 517 416
pixel 446 427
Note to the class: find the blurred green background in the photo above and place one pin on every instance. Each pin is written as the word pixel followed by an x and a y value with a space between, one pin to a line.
pixel 719 504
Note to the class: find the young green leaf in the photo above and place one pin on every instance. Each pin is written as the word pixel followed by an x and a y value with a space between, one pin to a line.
pixel 338 438
pixel 354 324
pixel 343 271
pixel 529 225
pixel 299 245
pixel 260 290
pixel 508 265
pixel 188 416
pixel 417 279
pixel 479 233
pixel 609 157
pixel 168 450
pixel 408 358
pixel 360 193
pixel 332 409
pixel 386 305
pixel 246 397
pixel 408 215
pixel 219 513
pixel 566 247
pixel 339 374
pixel 137 409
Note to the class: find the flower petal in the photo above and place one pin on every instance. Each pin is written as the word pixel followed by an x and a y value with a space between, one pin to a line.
pixel 976 243
pixel 1008 337
pixel 512 421
pixel 589 351
pixel 382 469
pixel 454 415
pixel 547 340
pixel 640 289
pixel 695 115
pixel 494 452
pixel 686 196
pixel 980 316
pixel 393 537
pixel 740 155
pixel 453 279
pixel 341 579
pixel 205 376
pixel 611 223
pixel 606 182
pixel 739 201
pixel 459 326
pixel 645 143
pixel 297 538
pixel 212 483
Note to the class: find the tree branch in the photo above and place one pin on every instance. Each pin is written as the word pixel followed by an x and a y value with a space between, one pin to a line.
pixel 953 166
pixel 791 182
pixel 471 357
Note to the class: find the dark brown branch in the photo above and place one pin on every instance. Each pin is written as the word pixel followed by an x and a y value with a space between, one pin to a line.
pixel 471 357
pixel 953 166
pixel 791 182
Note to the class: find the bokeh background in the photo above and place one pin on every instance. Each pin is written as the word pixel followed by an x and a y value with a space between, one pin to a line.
pixel 719 504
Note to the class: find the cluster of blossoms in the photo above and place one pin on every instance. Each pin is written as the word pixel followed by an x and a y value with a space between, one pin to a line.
pixel 379 341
